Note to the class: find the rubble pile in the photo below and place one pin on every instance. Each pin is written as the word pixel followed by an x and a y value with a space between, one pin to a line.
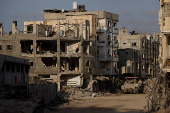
pixel 148 85
pixel 75 92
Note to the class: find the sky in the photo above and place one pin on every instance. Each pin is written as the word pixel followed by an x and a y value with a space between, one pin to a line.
pixel 140 15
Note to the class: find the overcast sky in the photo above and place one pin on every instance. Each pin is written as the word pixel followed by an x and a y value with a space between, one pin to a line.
pixel 133 14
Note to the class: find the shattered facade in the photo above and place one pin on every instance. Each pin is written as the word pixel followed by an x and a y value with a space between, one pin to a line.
pixel 107 43
pixel 138 54
pixel 164 23
pixel 63 48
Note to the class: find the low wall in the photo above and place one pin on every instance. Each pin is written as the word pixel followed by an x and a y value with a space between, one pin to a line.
pixel 46 91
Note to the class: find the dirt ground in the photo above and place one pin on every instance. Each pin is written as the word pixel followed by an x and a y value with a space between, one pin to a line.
pixel 124 103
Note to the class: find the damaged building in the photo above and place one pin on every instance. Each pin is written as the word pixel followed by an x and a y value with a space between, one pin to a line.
pixel 138 54
pixel 164 23
pixel 159 98
pixel 64 48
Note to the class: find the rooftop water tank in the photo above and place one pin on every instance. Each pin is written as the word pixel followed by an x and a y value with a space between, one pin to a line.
pixel 75 5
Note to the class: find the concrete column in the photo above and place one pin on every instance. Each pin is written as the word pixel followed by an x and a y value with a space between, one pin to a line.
pixel 154 36
pixel 25 29
pixel 67 27
pixel 81 38
pixel 2 31
pixel 58 46
pixel 34 27
pixel 91 20
pixel 77 32
pixel 88 32
pixel 67 65
pixel 34 53
pixel 81 64
pixel 81 80
pixel 58 82
pixel 126 30
pixel 88 48
pixel 85 31
pixel 13 28
pixel 91 80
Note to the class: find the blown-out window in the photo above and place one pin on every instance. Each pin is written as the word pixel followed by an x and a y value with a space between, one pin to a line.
pixel 133 44
pixel 143 67
pixel 9 47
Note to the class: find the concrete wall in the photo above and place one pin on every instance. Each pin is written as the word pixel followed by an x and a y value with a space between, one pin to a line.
pixel 48 92
pixel 164 20
pixel 13 70
pixel 72 46
pixel 73 80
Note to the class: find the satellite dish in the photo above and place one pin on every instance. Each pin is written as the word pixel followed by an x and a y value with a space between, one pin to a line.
pixel 70 34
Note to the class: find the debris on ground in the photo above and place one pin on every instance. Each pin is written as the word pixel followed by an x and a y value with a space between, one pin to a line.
pixel 75 93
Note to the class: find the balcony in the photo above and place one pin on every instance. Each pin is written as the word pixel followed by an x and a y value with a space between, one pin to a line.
pixel 101 57
pixel 109 58
pixel 101 43
pixel 115 31
pixel 110 29
pixel 115 59
pixel 101 29
pixel 115 45
pixel 166 30
pixel 109 43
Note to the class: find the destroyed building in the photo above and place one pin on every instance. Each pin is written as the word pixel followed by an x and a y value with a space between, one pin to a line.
pixel 63 48
pixel 164 23
pixel 159 97
pixel 138 54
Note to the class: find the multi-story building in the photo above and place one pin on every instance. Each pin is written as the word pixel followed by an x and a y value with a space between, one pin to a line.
pixel 137 53
pixel 105 51
pixel 63 47
pixel 107 43
pixel 164 23
pixel 128 64
pixel 57 57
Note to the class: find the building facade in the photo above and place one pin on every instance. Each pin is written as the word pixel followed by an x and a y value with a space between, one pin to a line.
pixel 164 23
pixel 138 53
pixel 62 48
pixel 107 43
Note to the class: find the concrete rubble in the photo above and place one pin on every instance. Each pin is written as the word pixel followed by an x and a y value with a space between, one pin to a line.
pixel 70 92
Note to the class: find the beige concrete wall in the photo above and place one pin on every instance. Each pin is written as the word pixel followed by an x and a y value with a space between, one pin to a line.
pixel 53 16
pixel 164 23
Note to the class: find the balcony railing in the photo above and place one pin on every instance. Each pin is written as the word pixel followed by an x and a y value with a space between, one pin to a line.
pixel 166 30
pixel 116 45
pixel 115 31
pixel 101 29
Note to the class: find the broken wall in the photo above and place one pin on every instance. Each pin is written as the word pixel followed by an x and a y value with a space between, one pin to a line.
pixel 47 92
